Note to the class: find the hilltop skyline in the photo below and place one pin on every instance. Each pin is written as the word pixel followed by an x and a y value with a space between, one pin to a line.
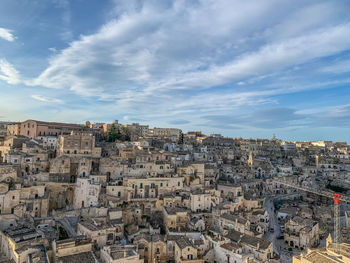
pixel 240 69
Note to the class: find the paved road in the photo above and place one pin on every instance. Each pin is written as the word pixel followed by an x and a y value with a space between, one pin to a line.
pixel 279 246
pixel 269 207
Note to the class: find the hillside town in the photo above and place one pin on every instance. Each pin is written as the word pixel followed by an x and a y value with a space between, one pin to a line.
pixel 117 193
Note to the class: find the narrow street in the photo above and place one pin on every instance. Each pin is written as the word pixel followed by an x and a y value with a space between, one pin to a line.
pixel 279 246
pixel 269 207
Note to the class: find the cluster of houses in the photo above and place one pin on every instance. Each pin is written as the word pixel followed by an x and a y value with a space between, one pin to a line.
pixel 68 194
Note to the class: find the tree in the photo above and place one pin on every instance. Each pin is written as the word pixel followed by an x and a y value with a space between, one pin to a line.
pixel 11 185
pixel 113 133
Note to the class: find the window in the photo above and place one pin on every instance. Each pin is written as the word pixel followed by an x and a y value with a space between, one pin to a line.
pixel 86 143
pixel 141 185
pixel 178 184
pixel 161 184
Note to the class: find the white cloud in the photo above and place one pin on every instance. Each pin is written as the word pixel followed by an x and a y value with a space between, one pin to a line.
pixel 269 58
pixel 6 34
pixel 8 73
pixel 337 67
pixel 46 99
pixel 167 59
pixel 53 49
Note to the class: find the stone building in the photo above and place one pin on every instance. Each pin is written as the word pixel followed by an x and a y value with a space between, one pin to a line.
pixel 86 193
pixel 186 251
pixel 175 218
pixel 14 129
pixel 152 248
pixel 78 144
pixel 33 128
pixel 151 187
pixel 301 232
pixel 120 254
pixel 8 172
pixel 327 254
pixel 200 201
pixel 100 231
pixel 78 249
pixel 20 243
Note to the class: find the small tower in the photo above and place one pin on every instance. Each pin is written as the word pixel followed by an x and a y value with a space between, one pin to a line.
pixel 317 161
pixel 329 240
pixel 251 159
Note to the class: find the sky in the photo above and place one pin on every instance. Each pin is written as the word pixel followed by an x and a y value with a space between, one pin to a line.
pixel 240 68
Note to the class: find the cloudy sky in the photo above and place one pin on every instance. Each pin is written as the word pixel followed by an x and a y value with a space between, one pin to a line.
pixel 239 68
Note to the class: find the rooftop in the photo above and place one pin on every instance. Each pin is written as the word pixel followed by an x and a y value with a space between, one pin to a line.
pixel 85 257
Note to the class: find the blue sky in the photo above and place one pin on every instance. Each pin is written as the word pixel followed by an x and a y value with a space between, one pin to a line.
pixel 239 68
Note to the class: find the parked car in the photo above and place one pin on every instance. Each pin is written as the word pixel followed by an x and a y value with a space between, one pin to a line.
pixel 282 228
pixel 272 230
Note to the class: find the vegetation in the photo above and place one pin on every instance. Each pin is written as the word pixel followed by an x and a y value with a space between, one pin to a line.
pixel 336 188
pixel 145 217
pixel 62 233
pixel 113 134
pixel 162 230
pixel 124 204
pixel 11 185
